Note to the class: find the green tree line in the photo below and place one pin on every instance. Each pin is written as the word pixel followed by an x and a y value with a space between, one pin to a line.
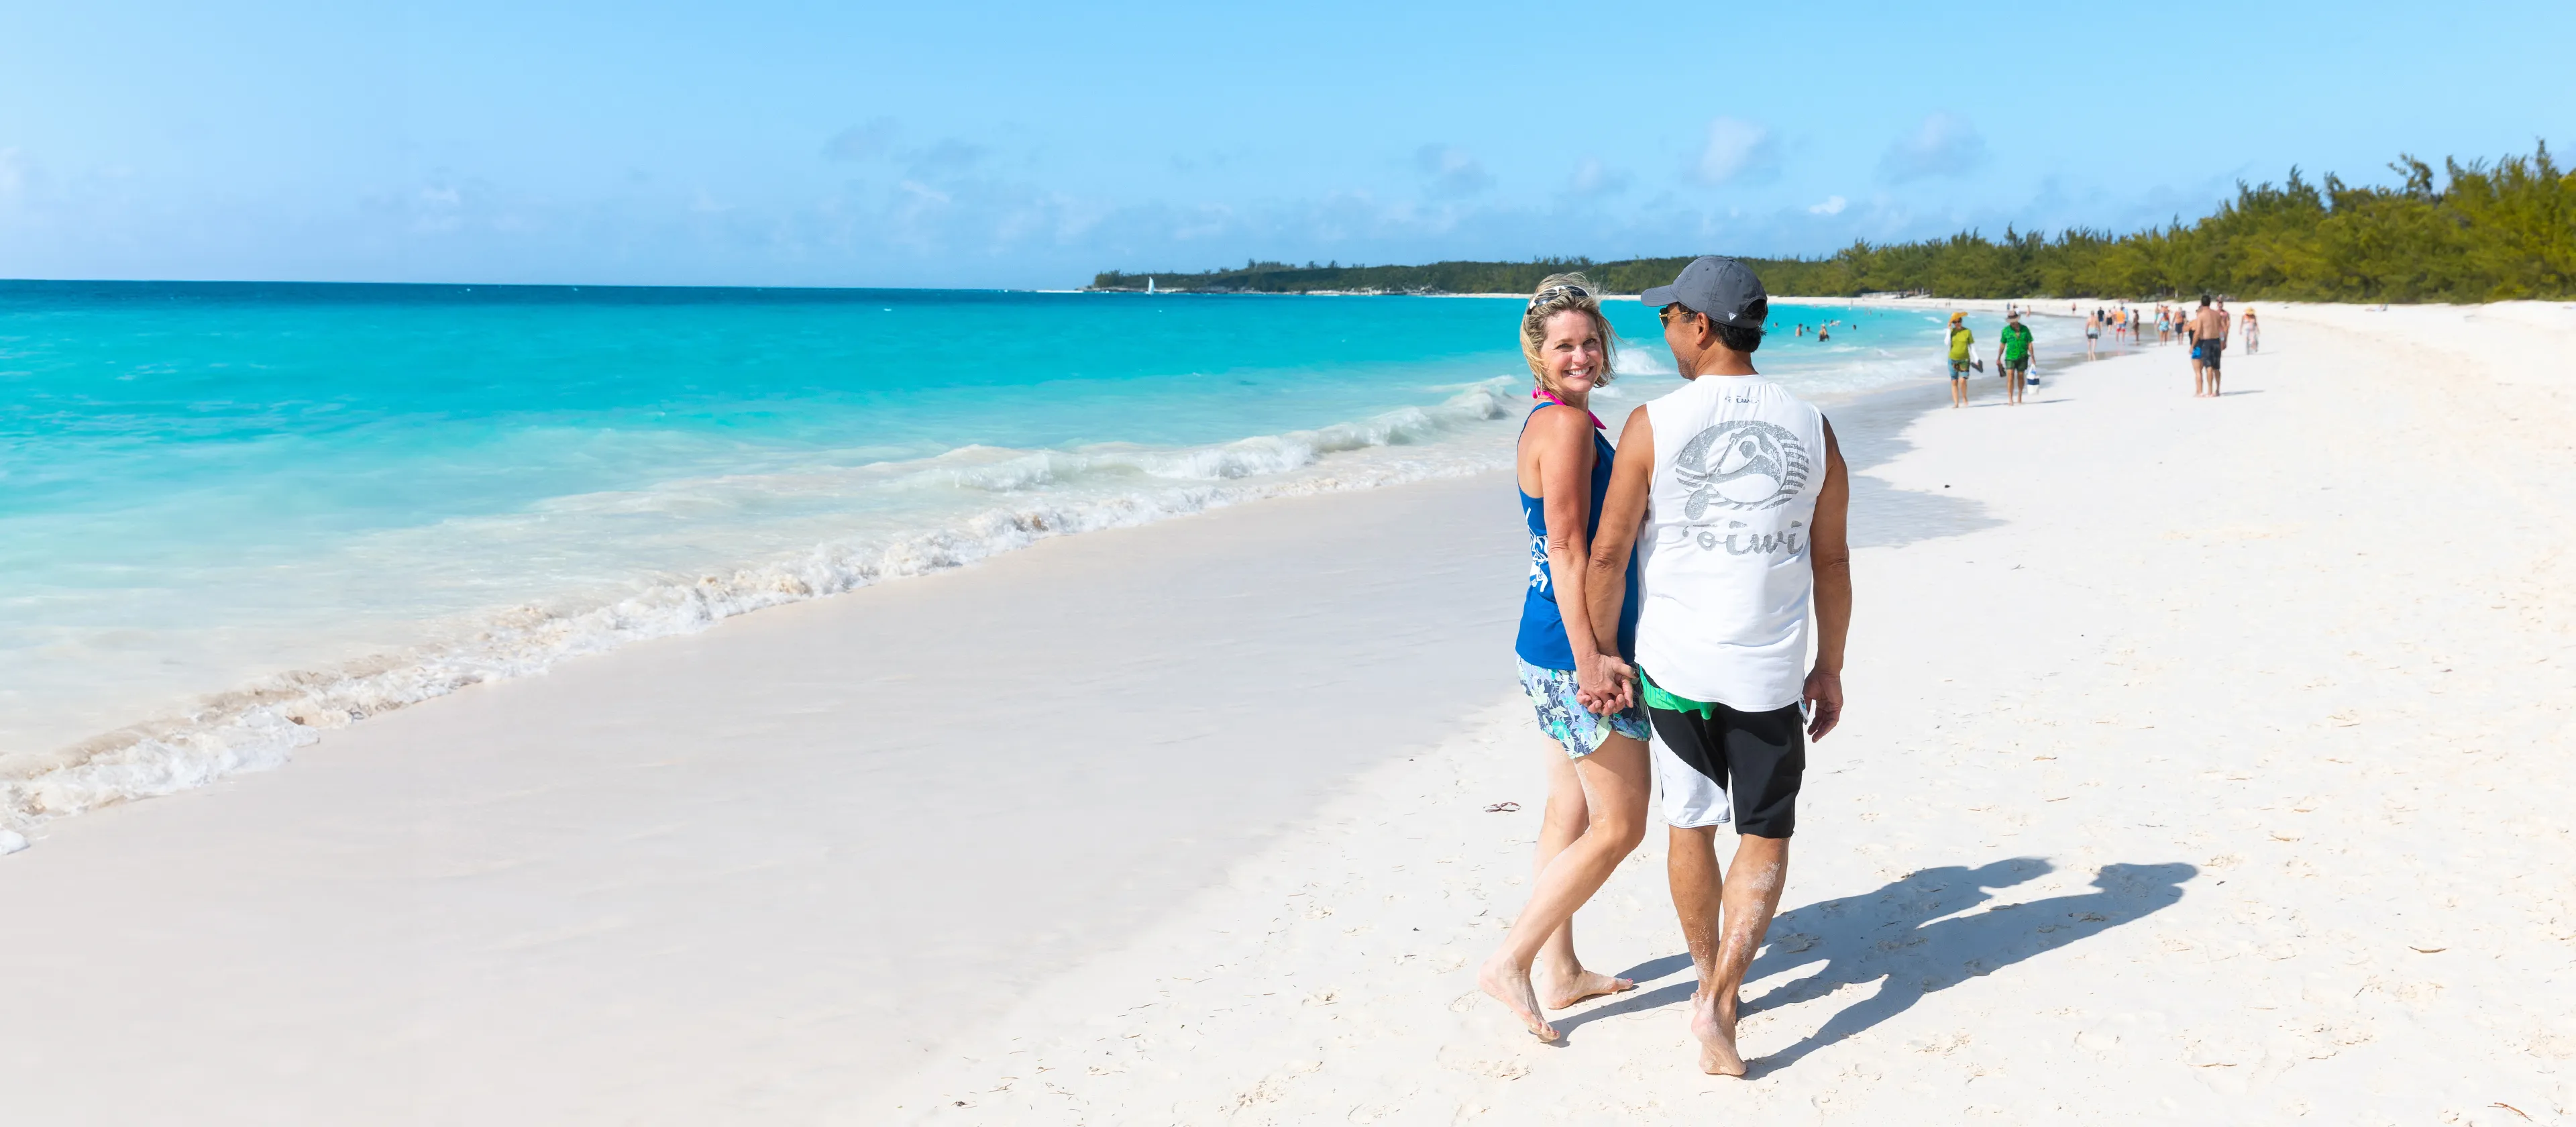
pixel 2474 232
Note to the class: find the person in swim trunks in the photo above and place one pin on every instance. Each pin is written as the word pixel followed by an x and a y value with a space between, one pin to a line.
pixel 1733 493
pixel 2208 339
pixel 1598 776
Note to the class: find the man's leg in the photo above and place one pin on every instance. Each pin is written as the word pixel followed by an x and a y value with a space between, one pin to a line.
pixel 1562 981
pixel 1723 920
pixel 2213 375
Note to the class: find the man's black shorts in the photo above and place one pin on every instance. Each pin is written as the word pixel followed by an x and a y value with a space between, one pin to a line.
pixel 2209 355
pixel 1741 764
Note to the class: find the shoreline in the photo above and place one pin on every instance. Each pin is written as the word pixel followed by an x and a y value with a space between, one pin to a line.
pixel 263 722
pixel 258 724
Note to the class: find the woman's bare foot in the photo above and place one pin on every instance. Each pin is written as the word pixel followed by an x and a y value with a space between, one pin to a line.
pixel 1510 985
pixel 1570 989
pixel 1716 1033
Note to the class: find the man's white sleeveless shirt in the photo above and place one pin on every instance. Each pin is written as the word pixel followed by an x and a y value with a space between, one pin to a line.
pixel 1727 580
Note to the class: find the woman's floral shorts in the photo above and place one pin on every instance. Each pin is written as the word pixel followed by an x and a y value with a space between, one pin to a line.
pixel 1551 692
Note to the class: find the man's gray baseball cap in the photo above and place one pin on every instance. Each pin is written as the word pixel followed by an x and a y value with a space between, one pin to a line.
pixel 1722 288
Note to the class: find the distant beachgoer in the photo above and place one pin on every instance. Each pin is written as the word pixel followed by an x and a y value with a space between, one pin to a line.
pixel 2188 328
pixel 2012 356
pixel 1734 493
pixel 1598 777
pixel 2164 325
pixel 1960 339
pixel 2208 339
pixel 2093 336
pixel 2253 334
pixel 2217 346
pixel 1823 335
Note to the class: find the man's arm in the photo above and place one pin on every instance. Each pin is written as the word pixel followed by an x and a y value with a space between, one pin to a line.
pixel 1623 512
pixel 1829 552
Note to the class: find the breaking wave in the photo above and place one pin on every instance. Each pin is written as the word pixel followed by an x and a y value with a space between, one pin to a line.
pixel 1034 495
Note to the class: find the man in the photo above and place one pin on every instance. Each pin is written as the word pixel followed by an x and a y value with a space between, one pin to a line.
pixel 1960 339
pixel 2012 356
pixel 1734 492
pixel 2209 338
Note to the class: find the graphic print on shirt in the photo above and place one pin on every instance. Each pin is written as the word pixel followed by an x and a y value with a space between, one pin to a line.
pixel 1742 464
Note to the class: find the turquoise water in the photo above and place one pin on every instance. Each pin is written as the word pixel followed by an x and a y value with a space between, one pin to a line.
pixel 231 513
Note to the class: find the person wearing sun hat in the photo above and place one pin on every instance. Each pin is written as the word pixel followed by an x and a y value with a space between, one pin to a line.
pixel 2012 356
pixel 1960 341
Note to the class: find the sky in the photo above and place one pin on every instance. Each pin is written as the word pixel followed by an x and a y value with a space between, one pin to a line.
pixel 1000 144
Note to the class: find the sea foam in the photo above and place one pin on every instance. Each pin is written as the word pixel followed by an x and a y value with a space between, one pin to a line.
pixel 1040 494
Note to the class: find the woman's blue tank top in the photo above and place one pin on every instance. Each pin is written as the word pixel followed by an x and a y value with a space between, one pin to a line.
pixel 1542 638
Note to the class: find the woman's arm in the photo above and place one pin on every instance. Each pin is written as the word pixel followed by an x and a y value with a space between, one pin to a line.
pixel 1564 438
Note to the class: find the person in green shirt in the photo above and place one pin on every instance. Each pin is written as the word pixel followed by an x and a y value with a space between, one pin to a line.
pixel 1960 340
pixel 2012 355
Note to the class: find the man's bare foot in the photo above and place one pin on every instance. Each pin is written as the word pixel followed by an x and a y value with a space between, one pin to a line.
pixel 1569 990
pixel 1716 1033
pixel 1510 985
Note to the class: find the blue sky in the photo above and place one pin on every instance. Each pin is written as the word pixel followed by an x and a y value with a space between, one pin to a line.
pixel 1002 144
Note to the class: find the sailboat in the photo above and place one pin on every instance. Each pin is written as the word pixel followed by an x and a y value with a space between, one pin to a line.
pixel 1149 283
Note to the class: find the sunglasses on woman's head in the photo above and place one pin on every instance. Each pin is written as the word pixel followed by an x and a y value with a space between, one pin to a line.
pixel 1549 294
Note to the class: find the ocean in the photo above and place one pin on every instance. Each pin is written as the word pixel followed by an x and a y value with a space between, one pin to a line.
pixel 233 514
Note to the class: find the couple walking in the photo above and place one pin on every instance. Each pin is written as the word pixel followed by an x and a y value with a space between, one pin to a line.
pixel 1664 634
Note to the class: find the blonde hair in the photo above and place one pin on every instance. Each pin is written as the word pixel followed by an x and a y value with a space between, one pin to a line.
pixel 1564 293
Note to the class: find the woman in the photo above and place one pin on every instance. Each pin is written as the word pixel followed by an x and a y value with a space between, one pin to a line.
pixel 2253 333
pixel 1597 772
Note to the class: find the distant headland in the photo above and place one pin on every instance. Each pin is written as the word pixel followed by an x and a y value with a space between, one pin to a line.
pixel 2485 232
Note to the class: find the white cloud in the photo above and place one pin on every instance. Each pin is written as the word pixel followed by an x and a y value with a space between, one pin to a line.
pixel 1943 145
pixel 1592 179
pixel 1737 151
pixel 1453 170
pixel 1833 205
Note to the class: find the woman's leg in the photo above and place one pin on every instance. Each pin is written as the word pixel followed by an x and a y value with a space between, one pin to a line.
pixel 1562 981
pixel 1615 788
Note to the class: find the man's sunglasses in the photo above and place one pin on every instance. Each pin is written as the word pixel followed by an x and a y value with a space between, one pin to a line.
pixel 1667 313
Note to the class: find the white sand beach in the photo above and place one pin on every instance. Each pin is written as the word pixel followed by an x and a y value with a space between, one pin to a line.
pixel 2203 761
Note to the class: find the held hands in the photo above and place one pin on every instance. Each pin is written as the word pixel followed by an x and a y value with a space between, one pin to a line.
pixel 1605 685
pixel 1824 696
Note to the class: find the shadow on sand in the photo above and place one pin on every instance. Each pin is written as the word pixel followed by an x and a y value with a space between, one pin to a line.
pixel 1910 938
